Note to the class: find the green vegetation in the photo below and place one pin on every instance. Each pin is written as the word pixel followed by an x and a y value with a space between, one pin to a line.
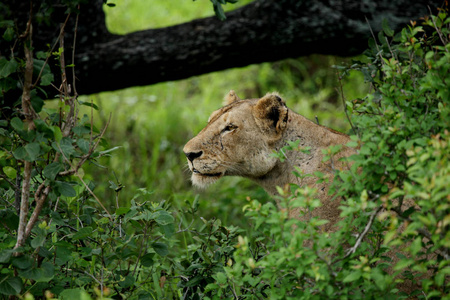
pixel 117 217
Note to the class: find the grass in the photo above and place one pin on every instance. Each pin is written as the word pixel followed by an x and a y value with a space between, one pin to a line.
pixel 133 15
pixel 151 124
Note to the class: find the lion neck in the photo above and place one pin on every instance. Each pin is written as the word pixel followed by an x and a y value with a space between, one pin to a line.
pixel 311 135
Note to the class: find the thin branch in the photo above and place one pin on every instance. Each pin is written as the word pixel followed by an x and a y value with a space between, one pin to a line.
pixel 49 55
pixel 93 277
pixel 4 177
pixel 437 29
pixel 37 211
pixel 29 116
pixel 86 186
pixel 21 236
pixel 341 92
pixel 74 170
pixel 364 233
pixel 75 93
pixel 425 233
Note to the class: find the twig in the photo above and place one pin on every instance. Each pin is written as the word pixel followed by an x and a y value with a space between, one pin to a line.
pixel 93 195
pixel 234 292
pixel 364 233
pixel 93 277
pixel 423 232
pixel 4 177
pixel 74 170
pixel 341 91
pixel 21 236
pixel 437 29
pixel 48 56
pixel 29 116
pixel 75 93
pixel 37 211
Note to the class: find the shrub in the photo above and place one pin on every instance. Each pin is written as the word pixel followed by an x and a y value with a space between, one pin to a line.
pixel 395 197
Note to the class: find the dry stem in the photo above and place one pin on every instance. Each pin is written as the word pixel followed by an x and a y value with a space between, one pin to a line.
pixel 29 116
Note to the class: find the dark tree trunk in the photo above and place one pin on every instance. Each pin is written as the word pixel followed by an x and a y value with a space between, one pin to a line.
pixel 264 30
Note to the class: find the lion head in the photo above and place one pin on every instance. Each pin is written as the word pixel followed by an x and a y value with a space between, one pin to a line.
pixel 238 139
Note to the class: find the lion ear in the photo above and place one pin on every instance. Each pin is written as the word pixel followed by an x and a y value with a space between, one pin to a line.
pixel 231 97
pixel 271 113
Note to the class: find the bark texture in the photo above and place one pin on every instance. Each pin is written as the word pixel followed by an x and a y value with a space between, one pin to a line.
pixel 264 30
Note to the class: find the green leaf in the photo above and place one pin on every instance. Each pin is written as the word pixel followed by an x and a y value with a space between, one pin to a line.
pixel 47 79
pixel 221 277
pixel 122 210
pixel 403 263
pixel 9 34
pixel 88 104
pixel 10 285
pixel 352 144
pixel 42 127
pixel 147 260
pixel 38 241
pixel 32 150
pixel 41 55
pixel 57 133
pixel 81 130
pixel 7 67
pixel 65 146
pixel 52 170
pixel 352 276
pixel 43 274
pixel 83 145
pixel 83 233
pixel 168 230
pixel 388 31
pixel 20 153
pixel 160 248
pixel 5 255
pixel 65 189
pixel 17 124
pixel 10 172
pixel 70 294
pixel 211 287
pixel 22 262
pixel 127 282
pixel 36 102
pixel 164 218
pixel 218 10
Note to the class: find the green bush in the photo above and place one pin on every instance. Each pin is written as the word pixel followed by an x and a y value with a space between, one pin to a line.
pixel 395 197
pixel 59 240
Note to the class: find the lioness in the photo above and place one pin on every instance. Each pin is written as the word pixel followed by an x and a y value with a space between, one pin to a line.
pixel 241 136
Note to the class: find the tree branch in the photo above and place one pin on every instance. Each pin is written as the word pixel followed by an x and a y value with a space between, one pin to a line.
pixel 261 31
pixel 29 117
pixel 363 234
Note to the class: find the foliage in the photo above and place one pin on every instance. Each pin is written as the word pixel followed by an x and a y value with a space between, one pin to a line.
pixel 394 231
pixel 59 239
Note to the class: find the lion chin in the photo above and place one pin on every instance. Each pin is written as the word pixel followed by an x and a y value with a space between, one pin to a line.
pixel 202 181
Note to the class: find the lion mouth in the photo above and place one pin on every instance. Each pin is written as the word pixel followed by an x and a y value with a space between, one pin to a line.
pixel 197 172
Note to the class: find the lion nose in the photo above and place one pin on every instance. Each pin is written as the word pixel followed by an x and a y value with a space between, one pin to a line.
pixel 193 155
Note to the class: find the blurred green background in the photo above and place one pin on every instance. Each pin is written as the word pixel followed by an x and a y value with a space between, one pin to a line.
pixel 151 124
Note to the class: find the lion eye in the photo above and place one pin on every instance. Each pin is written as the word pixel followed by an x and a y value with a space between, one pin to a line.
pixel 229 127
